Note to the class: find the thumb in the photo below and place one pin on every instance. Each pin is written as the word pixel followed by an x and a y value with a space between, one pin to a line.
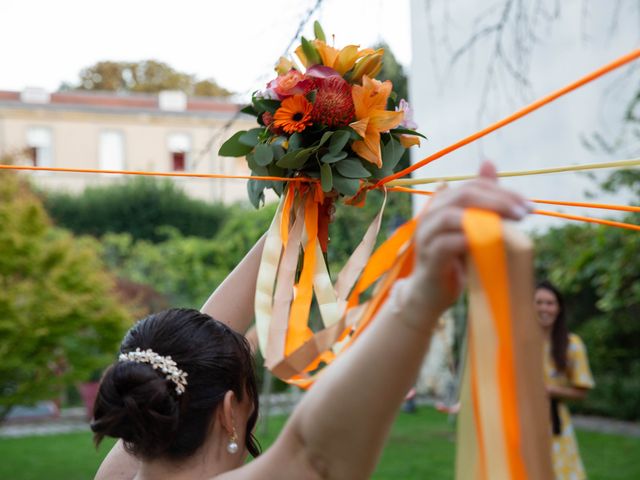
pixel 488 171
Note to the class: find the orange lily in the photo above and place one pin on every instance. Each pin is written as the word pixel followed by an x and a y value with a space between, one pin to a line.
pixel 409 140
pixel 370 101
pixel 340 60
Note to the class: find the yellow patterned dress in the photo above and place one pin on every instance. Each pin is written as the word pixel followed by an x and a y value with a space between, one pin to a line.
pixel 566 457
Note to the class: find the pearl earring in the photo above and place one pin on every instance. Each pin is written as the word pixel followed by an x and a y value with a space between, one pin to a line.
pixel 232 446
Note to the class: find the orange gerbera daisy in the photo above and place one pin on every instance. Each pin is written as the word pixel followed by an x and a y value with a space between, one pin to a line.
pixel 294 114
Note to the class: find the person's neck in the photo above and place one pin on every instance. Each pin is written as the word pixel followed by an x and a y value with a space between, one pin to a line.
pixel 209 461
pixel 546 332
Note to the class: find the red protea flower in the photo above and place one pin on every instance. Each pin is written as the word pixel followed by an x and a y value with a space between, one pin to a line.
pixel 334 104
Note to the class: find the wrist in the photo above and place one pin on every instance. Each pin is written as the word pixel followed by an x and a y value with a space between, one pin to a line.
pixel 411 307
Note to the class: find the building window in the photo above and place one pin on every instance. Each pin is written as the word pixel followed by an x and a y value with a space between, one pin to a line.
pixel 178 163
pixel 179 148
pixel 39 146
pixel 111 150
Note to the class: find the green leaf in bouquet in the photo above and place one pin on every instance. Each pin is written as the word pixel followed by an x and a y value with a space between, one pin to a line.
pixel 255 189
pixel 276 171
pixel 339 140
pixel 354 135
pixel 326 178
pixel 249 110
pixel 262 105
pixel 251 161
pixel 278 186
pixel 346 186
pixel 233 147
pixel 318 32
pixel 304 154
pixel 250 137
pixel 263 155
pixel 333 158
pixel 295 141
pixel 325 136
pixel 352 168
pixel 278 151
pixel 295 159
pixel 313 57
pixel 392 152
pixel 311 96
pixel 406 131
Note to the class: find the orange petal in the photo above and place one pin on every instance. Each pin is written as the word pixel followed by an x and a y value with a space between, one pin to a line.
pixel 327 53
pixel 360 126
pixel 369 149
pixel 346 59
pixel 409 140
pixel 302 56
pixel 382 120
pixel 372 95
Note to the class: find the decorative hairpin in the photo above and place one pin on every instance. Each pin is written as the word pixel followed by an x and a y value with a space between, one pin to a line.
pixel 159 362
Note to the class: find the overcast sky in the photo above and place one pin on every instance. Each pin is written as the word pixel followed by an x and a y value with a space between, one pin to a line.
pixel 236 42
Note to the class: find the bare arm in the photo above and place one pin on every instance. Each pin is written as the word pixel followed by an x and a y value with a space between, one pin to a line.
pixel 118 465
pixel 340 427
pixel 232 301
pixel 567 393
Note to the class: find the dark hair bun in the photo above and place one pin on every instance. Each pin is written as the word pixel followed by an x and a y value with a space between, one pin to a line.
pixel 138 405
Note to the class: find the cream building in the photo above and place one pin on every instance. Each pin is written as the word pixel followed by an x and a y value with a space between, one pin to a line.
pixel 163 133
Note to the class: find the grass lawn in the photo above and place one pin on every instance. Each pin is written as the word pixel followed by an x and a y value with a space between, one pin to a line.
pixel 421 447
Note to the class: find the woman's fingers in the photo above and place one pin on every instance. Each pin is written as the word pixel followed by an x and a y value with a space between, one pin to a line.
pixel 488 170
pixel 485 194
pixel 440 221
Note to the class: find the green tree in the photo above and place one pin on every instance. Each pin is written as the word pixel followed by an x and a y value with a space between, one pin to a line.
pixel 59 317
pixel 186 269
pixel 394 71
pixel 137 207
pixel 145 76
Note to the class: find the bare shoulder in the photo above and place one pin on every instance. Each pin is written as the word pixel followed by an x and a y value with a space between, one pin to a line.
pixel 285 460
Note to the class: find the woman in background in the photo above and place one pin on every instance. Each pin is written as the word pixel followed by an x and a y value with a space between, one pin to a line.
pixel 567 377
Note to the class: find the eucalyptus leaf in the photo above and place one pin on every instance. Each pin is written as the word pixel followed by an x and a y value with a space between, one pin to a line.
pixel 262 105
pixel 250 137
pixel 295 141
pixel 277 186
pixel 325 136
pixel 233 147
pixel 263 155
pixel 352 168
pixel 278 151
pixel 339 140
pixel 331 158
pixel 295 159
pixel 249 110
pixel 255 189
pixel 345 186
pixel 392 152
pixel 326 178
pixel 251 161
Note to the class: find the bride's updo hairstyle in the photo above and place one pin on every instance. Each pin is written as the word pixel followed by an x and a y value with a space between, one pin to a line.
pixel 140 405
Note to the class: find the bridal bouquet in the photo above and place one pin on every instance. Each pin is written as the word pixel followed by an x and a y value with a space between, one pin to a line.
pixel 324 117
